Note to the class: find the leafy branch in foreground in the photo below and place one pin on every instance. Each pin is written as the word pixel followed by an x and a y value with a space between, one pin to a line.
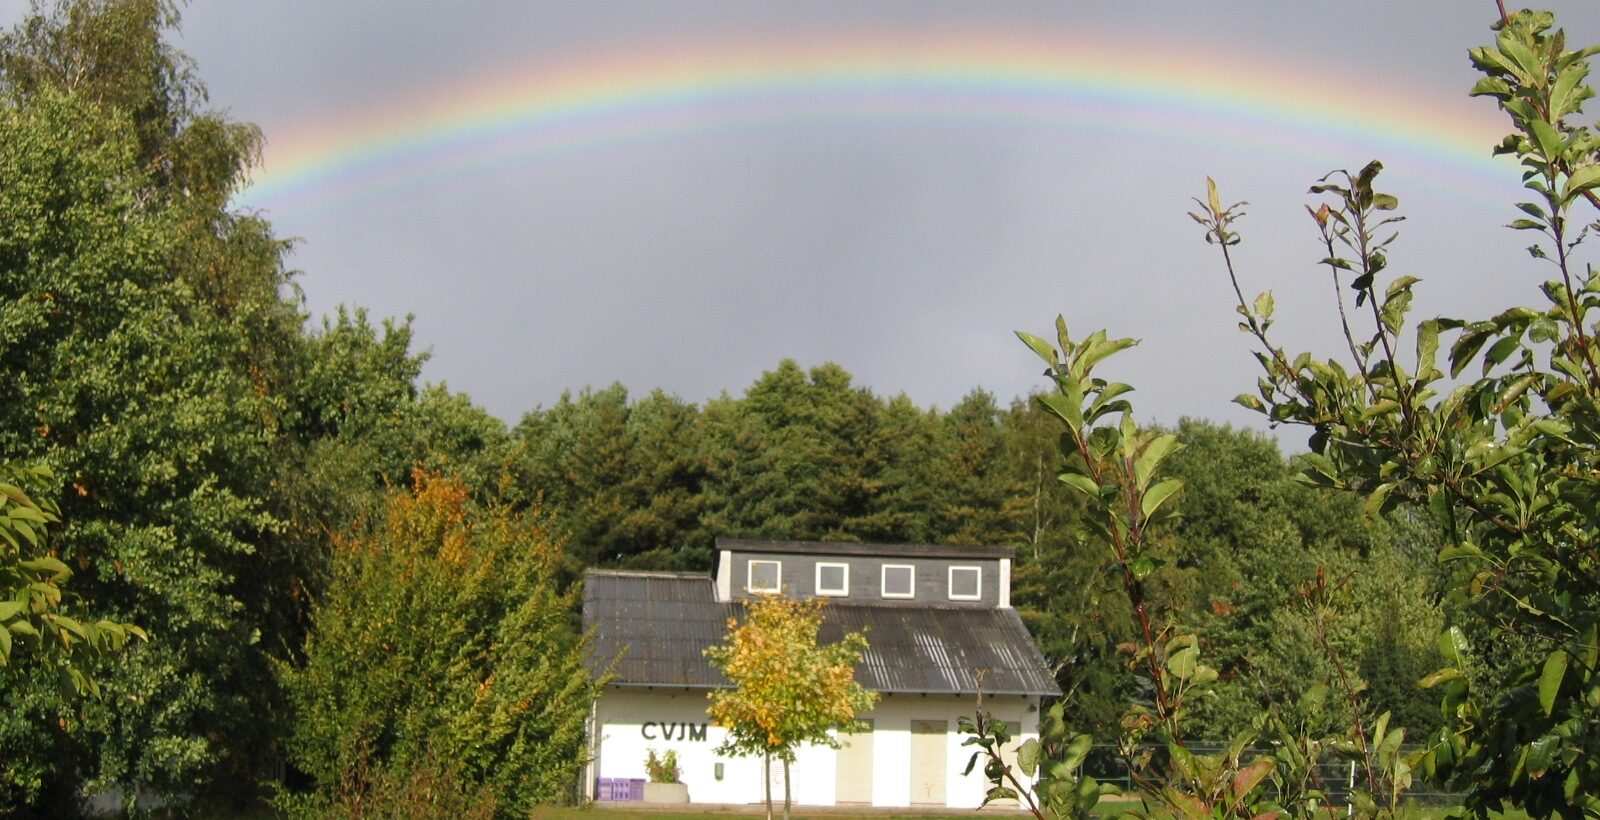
pixel 1117 468
pixel 31 587
pixel 1506 461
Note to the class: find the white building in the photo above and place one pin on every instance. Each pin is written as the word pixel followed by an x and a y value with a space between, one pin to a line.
pixel 939 625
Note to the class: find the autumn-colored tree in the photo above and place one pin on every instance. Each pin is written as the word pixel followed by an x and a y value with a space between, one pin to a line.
pixel 788 689
pixel 443 658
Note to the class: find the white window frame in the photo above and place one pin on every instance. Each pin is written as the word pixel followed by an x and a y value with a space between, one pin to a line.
pixel 749 577
pixel 840 592
pixel 952 584
pixel 883 581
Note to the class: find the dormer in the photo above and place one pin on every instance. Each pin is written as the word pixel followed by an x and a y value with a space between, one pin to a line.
pixel 919 575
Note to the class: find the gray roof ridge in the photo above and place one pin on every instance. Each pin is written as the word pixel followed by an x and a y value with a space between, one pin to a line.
pixel 882 549
pixel 650 573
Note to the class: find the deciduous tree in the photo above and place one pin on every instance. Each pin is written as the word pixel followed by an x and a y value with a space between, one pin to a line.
pixel 787 688
pixel 1503 452
pixel 445 638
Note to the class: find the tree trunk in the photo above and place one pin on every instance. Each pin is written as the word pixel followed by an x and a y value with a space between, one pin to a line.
pixel 786 788
pixel 768 778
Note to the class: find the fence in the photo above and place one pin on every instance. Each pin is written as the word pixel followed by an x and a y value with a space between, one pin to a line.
pixel 1106 764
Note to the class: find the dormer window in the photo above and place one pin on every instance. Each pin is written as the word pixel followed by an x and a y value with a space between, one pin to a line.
pixel 833 579
pixel 899 580
pixel 966 583
pixel 764 576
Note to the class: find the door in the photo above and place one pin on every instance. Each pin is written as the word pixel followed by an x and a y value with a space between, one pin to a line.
pixel 927 762
pixel 855 767
pixel 774 774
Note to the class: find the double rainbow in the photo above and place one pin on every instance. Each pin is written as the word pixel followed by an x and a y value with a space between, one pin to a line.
pixel 1031 79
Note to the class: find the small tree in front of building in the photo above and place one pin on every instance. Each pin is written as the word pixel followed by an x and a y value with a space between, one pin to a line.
pixel 788 689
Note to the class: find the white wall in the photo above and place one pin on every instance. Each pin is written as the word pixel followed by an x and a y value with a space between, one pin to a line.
pixel 624 715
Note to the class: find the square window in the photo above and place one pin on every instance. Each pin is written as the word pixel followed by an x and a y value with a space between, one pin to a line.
pixel 833 579
pixel 899 580
pixel 966 583
pixel 764 576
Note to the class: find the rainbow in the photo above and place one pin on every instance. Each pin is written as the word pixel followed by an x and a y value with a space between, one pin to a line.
pixel 1061 80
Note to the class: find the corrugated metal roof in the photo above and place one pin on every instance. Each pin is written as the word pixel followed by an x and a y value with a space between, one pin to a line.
pixel 655 627
pixel 840 548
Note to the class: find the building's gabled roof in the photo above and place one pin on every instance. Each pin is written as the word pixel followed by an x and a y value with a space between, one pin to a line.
pixel 882 550
pixel 651 629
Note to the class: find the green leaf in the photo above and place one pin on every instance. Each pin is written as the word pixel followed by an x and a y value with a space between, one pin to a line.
pixel 1076 751
pixel 1028 756
pixel 1378 500
pixel 9 609
pixel 1541 753
pixel 1157 495
pixel 1040 347
pixel 1081 483
pixel 1555 668
pixel 1546 138
pixel 1453 646
pixel 1264 305
pixel 1150 459
pixel 1427 346
pixel 1064 408
pixel 1583 179
pixel 1184 662
pixel 1444 675
pixel 58 571
pixel 1247 778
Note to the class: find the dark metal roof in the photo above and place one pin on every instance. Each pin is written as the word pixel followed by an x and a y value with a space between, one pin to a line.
pixel 886 550
pixel 652 628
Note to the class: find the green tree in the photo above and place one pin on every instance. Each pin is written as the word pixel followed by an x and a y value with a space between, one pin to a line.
pixel 445 648
pixel 1506 462
pixel 117 377
pixel 787 688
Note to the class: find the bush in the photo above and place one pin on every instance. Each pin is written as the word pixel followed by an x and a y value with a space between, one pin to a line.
pixel 663 769
pixel 444 637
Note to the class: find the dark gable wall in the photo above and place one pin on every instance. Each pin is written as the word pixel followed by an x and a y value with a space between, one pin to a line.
pixel 932 575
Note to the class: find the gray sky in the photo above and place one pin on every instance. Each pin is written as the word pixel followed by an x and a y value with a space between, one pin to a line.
pixel 906 247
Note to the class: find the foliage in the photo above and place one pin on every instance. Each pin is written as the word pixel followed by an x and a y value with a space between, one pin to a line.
pixel 31 593
pixel 663 769
pixel 424 790
pixel 114 373
pixel 1504 461
pixel 787 688
pixel 1120 471
pixel 1055 758
pixel 445 636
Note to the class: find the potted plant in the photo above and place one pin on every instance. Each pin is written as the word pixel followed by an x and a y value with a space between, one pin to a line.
pixel 664 774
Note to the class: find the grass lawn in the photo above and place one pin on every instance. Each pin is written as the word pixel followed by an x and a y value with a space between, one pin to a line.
pixel 559 813
pixel 1108 809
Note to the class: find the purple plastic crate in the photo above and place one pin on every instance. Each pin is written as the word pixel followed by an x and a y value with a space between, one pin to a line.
pixel 619 788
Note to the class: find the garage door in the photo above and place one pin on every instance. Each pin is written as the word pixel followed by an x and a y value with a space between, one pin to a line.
pixel 927 762
pixel 774 773
pixel 855 767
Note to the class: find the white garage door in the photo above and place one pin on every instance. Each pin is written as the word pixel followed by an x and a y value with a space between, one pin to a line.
pixel 855 767
pixel 927 762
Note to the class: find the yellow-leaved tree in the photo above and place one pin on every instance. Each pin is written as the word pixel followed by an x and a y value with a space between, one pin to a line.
pixel 787 688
